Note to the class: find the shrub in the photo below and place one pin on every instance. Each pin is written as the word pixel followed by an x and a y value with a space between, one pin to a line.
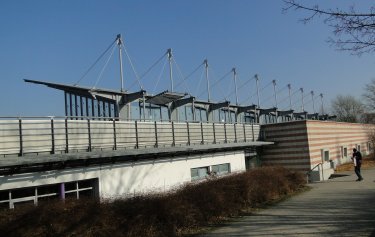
pixel 169 214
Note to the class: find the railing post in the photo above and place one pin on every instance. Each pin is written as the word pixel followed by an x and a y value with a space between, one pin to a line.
pixel 235 132
pixel 225 133
pixel 89 133
pixel 213 124
pixel 66 136
pixel 136 135
pixel 202 135
pixel 20 135
pixel 244 132
pixel 156 135
pixel 252 129
pixel 114 135
pixel 188 133
pixel 173 135
pixel 52 136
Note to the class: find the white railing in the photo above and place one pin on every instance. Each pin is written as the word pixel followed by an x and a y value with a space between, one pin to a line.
pixel 21 136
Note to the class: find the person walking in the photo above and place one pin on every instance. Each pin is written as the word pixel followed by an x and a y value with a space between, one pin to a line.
pixel 357 160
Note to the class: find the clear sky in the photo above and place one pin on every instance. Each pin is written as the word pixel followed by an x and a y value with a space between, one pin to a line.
pixel 58 41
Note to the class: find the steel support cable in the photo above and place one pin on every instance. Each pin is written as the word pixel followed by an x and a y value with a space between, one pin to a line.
pixel 199 83
pixel 181 74
pixel 149 69
pixel 248 98
pixel 161 73
pixel 133 68
pixel 272 96
pixel 104 67
pixel 97 60
pixel 213 85
pixel 196 69
pixel 241 86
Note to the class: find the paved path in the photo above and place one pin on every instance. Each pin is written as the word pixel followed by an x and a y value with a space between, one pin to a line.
pixel 337 207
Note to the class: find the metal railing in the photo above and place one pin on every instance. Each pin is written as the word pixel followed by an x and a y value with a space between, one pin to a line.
pixel 55 135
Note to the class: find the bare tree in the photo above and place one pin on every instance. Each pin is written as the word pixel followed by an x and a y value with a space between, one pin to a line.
pixel 369 95
pixel 353 31
pixel 347 108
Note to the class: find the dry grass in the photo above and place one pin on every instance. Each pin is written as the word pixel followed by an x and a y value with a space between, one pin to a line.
pixel 172 214
pixel 368 162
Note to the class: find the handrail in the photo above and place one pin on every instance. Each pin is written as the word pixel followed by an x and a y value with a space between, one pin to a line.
pixel 309 172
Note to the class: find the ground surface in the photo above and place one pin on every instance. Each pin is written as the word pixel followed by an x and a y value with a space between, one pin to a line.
pixel 337 207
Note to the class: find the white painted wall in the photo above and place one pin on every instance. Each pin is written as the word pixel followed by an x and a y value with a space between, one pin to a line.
pixel 131 177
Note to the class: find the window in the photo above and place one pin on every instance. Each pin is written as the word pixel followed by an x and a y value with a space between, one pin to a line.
pixel 221 169
pixel 203 172
pixel 325 155
pixel 33 195
pixel 199 173
pixel 344 152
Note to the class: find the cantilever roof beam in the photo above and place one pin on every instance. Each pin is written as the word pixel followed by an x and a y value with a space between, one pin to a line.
pixel 216 106
pixel 165 98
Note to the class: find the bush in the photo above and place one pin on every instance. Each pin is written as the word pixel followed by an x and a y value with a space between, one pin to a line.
pixel 170 214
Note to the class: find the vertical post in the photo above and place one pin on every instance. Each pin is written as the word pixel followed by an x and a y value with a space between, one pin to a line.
pixel 169 54
pixel 213 125
pixel 136 135
pixel 188 133
pixel 290 96
pixel 76 106
pixel 235 132
pixel 321 98
pixel 87 107
pixel 20 136
pixel 274 91
pixel 104 110
pixel 144 107
pixel 62 191
pixel 114 135
pixel 66 136
pixel 81 102
pixel 312 97
pixel 252 130
pixel 93 108
pixel 244 131
pixel 208 82
pixel 71 105
pixel 257 83
pixel 52 136
pixel 235 83
pixel 89 134
pixel 156 134
pixel 225 133
pixel 202 135
pixel 173 135
pixel 119 44
pixel 302 107
pixel 66 103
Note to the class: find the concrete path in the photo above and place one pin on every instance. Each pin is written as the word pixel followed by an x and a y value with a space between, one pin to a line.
pixel 337 207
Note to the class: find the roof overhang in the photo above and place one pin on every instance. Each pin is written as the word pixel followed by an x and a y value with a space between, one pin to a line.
pixel 165 98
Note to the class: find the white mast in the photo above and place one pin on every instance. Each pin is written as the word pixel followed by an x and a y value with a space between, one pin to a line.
pixel 312 97
pixel 274 91
pixel 119 44
pixel 257 82
pixel 208 82
pixel 235 83
pixel 169 54
pixel 290 97
pixel 303 109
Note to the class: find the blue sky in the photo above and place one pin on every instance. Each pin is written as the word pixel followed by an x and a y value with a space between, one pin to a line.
pixel 58 41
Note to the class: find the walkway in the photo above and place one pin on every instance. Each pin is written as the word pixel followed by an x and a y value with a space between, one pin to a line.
pixel 338 207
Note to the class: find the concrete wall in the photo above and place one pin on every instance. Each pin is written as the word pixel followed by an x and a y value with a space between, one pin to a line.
pixel 132 177
pixel 299 144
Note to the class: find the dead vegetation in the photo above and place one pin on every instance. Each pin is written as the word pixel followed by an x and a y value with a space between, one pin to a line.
pixel 171 214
